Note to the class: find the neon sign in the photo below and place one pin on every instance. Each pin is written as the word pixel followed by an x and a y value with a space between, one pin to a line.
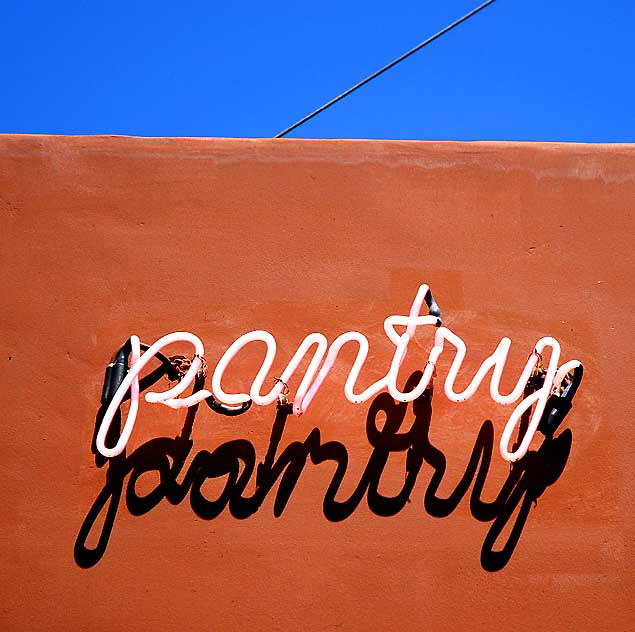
pixel 554 381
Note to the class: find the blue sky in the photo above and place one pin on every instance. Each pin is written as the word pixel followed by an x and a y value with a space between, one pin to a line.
pixel 520 70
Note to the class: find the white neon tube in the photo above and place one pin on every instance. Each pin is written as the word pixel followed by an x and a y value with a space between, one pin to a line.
pixel 133 385
pixel 539 397
pixel 567 367
pixel 338 343
pixel 309 387
pixel 411 322
pixel 131 382
pixel 313 378
pixel 257 384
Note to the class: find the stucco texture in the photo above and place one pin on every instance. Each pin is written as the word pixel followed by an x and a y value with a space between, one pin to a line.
pixel 378 515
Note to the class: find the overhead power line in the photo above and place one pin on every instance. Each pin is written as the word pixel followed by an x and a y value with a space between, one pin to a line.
pixel 308 117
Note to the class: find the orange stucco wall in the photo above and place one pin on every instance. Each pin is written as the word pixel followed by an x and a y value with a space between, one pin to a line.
pixel 389 516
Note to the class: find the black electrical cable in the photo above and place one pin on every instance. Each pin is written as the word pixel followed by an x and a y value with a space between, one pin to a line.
pixel 384 69
pixel 558 405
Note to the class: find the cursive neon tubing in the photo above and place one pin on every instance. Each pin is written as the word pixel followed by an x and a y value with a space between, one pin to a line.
pixel 131 381
pixel 311 382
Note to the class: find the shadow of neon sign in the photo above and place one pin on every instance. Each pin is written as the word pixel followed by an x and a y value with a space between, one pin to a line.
pixel 549 390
